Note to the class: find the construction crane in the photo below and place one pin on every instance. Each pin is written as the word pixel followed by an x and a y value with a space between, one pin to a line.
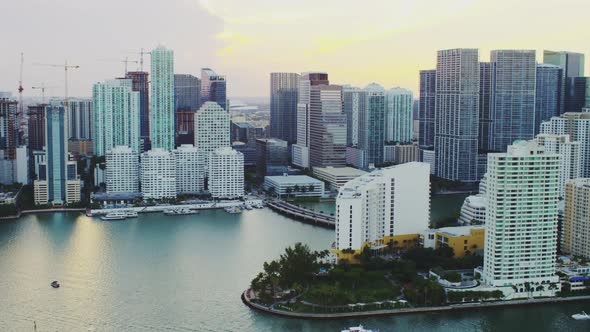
pixel 141 54
pixel 66 67
pixel 42 87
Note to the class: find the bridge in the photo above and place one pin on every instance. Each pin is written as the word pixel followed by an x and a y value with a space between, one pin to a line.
pixel 302 214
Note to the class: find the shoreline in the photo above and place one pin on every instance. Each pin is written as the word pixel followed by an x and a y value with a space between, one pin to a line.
pixel 407 311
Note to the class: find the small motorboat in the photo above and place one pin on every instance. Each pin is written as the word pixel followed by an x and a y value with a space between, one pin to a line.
pixel 359 328
pixel 55 284
pixel 115 216
pixel 581 316
pixel 131 214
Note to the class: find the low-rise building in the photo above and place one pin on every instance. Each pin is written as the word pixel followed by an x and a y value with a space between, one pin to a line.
pixel 473 211
pixel 464 240
pixel 336 177
pixel 294 185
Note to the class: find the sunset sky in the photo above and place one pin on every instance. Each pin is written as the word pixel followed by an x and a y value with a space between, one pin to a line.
pixel 356 42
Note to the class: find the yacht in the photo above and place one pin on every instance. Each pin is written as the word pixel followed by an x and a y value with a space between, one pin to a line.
pixel 247 206
pixel 179 212
pixel 581 316
pixel 114 216
pixel 131 214
pixel 233 209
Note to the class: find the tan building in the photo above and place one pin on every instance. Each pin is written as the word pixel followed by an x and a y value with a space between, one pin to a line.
pixel 336 177
pixel 576 225
pixel 401 154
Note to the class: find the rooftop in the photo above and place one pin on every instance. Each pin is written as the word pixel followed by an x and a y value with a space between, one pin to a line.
pixel 340 171
pixel 457 230
pixel 292 179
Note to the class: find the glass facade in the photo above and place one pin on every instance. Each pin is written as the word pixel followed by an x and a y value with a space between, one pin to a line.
pixel 162 111
pixel 283 106
pixel 547 98
pixel 426 108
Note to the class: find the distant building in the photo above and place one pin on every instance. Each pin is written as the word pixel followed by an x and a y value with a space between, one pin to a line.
pixel 213 88
pixel 572 65
pixel 226 174
pixel 122 170
pixel 579 89
pixel 36 126
pixel 570 156
pixel 212 129
pixel 8 127
pixel 190 169
pixel 116 116
pixel 426 109
pixel 401 154
pixel 272 157
pixel 246 133
pixel 294 185
pixel 283 106
pixel 336 177
pixel 521 218
pixel 187 100
pixel 162 99
pixel 464 240
pixel 473 210
pixel 375 208
pixel 140 83
pixel 327 122
pixel 429 157
pixel 250 157
pixel 398 115
pixel 80 119
pixel 576 224
pixel 485 116
pixel 548 93
pixel 158 174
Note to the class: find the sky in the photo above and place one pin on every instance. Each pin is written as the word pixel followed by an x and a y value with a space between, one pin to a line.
pixel 356 42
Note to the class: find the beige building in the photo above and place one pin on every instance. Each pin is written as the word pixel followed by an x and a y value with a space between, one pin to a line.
pixel 336 177
pixel 576 225
pixel 401 154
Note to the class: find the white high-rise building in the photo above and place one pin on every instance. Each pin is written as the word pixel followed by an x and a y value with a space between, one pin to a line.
pixel 212 129
pixel 577 126
pixel 387 202
pixel 190 169
pixel 570 156
pixel 521 218
pixel 576 226
pixel 122 170
pixel 116 116
pixel 158 174
pixel 399 115
pixel 226 174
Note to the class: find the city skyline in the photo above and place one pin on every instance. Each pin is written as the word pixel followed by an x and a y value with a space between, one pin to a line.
pixel 275 39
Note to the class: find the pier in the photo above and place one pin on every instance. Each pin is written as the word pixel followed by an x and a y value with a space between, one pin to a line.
pixel 302 214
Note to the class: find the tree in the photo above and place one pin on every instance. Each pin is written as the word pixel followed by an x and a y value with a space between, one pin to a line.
pixel 297 264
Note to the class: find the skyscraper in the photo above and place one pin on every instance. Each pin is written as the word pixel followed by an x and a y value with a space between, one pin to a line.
pixel 162 111
pixel 116 116
pixel 226 173
pixel 372 125
pixel 140 83
pixel 579 93
pixel 426 108
pixel 8 128
pixel 547 97
pixel 283 106
pixel 190 169
pixel 521 217
pixel 187 99
pixel 122 170
pixel 36 126
pixel 211 129
pixel 354 103
pixel 327 127
pixel 573 66
pixel 301 149
pixel 485 87
pixel 158 174
pixel 569 153
pixel 272 155
pixel 58 181
pixel 576 224
pixel 457 114
pixel 213 88
pixel 399 122
pixel 80 119
pixel 512 99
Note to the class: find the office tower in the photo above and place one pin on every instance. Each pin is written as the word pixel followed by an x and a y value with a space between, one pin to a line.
pixel 8 128
pixel 36 126
pixel 398 116
pixel 572 65
pixel 457 114
pixel 246 133
pixel 577 126
pixel 272 155
pixel 372 125
pixel 211 129
pixel 382 204
pixel 80 119
pixel 162 111
pixel 426 108
pixel 58 181
pixel 570 156
pixel 547 97
pixel 116 116
pixel 354 103
pixel 140 83
pixel 576 224
pixel 122 170
pixel 190 170
pixel 521 216
pixel 283 106
pixel 327 127
pixel 187 99
pixel 301 149
pixel 579 93
pixel 213 88
pixel 485 88
pixel 158 174
pixel 226 174
pixel 512 99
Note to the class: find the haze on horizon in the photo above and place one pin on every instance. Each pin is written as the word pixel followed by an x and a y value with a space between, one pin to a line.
pixel 383 41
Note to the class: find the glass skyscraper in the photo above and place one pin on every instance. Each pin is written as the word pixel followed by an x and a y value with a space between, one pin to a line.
pixel 457 114
pixel 485 87
pixel 327 127
pixel 573 66
pixel 283 106
pixel 399 121
pixel 426 108
pixel 213 88
pixel 547 97
pixel 141 85
pixel 162 88
pixel 371 131
pixel 187 99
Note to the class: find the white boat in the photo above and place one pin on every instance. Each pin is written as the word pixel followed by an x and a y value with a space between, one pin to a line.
pixel 131 214
pixel 581 316
pixel 247 206
pixel 359 328
pixel 114 216
pixel 232 209
pixel 180 212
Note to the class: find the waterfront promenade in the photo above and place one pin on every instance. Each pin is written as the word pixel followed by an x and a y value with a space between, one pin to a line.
pixel 305 215
pixel 197 206
pixel 247 299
